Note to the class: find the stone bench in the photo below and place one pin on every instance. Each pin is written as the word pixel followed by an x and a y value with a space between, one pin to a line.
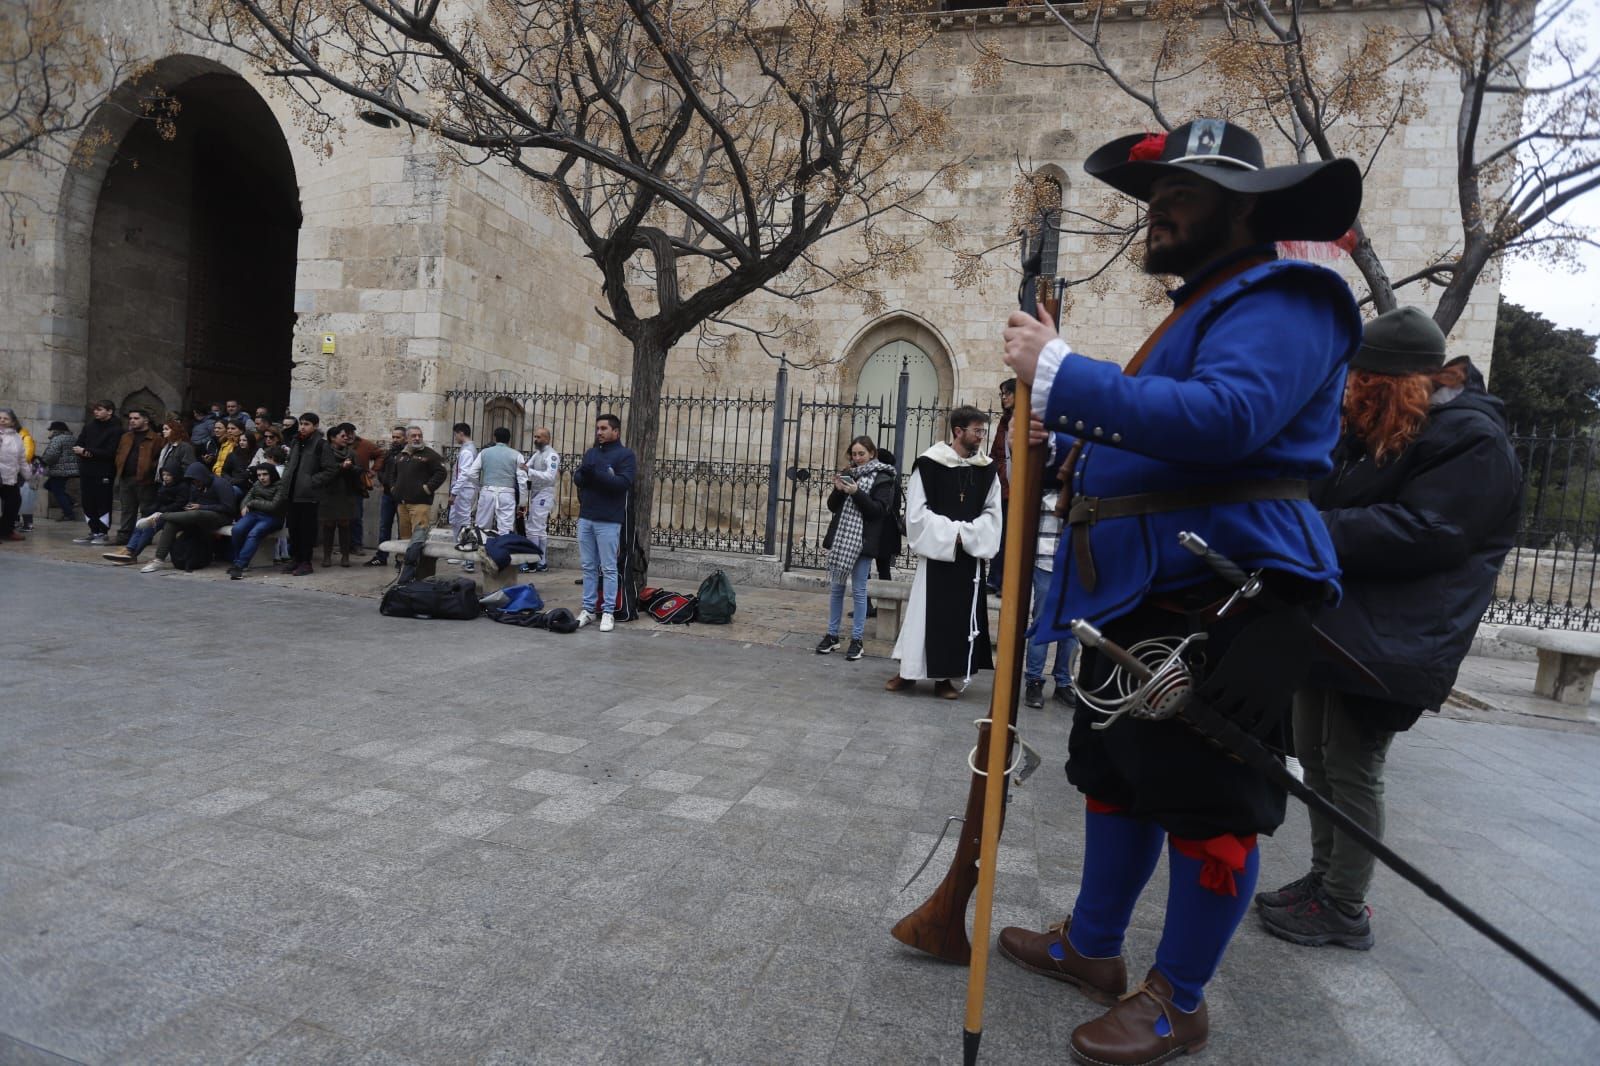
pixel 444 548
pixel 890 598
pixel 1567 661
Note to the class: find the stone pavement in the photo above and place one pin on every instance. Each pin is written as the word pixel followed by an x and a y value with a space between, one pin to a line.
pixel 258 825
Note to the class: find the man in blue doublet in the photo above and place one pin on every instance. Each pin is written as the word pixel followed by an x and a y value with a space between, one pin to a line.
pixel 1215 427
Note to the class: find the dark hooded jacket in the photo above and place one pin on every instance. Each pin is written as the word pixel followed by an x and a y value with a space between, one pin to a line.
pixel 1420 540
pixel 210 492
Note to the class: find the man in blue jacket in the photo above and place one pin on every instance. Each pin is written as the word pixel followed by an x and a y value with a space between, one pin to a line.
pixel 1217 426
pixel 604 479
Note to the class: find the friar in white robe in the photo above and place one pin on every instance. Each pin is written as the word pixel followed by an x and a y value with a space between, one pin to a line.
pixel 953 516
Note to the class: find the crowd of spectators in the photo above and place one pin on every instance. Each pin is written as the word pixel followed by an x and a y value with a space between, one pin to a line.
pixel 169 485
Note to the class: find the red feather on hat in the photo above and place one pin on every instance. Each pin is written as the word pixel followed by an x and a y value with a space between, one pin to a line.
pixel 1150 148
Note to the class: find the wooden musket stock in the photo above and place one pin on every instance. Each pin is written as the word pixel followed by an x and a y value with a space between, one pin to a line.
pixel 939 925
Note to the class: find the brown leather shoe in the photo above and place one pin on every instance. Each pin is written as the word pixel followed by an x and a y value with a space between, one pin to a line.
pixel 899 684
pixel 1126 1034
pixel 946 690
pixel 1053 955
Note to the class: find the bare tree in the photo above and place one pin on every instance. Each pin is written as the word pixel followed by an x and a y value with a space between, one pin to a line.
pixel 710 148
pixel 55 73
pixel 1525 122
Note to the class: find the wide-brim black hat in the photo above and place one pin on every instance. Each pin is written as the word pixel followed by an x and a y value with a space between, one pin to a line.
pixel 1303 201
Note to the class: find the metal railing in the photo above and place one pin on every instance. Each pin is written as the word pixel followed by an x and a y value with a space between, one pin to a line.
pixel 750 473
pixel 745 473
pixel 1548 578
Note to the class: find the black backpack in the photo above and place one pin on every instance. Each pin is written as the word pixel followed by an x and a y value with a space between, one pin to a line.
pixel 455 598
pixel 192 549
pixel 716 600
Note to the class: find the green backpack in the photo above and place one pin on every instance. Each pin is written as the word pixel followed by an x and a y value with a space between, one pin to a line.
pixel 716 600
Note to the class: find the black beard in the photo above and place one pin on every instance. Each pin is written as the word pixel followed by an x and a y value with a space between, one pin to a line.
pixel 1182 256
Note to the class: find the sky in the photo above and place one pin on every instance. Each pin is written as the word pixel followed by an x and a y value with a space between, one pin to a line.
pixel 1568 297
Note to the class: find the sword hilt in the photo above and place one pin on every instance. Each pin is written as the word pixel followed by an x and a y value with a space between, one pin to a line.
pixel 1221 565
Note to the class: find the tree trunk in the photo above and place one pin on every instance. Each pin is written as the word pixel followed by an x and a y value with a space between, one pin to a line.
pixel 642 433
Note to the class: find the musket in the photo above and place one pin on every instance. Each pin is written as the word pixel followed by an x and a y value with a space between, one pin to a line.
pixel 939 926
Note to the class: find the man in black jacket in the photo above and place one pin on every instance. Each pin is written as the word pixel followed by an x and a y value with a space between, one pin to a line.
pixel 97 458
pixel 311 468
pixel 1422 507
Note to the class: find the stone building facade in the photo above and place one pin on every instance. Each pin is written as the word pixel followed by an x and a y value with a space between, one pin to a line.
pixel 236 262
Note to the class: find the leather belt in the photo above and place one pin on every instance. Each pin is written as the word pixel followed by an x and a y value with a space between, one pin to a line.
pixel 1085 511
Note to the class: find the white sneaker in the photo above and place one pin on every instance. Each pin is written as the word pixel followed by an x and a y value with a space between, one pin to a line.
pixel 156 564
pixel 584 618
pixel 147 521
pixel 607 622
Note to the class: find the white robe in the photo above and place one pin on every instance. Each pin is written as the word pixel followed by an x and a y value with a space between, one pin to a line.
pixel 933 536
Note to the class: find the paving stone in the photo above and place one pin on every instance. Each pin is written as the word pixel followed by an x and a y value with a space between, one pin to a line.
pixel 702 870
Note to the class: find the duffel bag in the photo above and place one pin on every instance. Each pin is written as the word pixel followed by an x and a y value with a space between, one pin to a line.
pixel 433 598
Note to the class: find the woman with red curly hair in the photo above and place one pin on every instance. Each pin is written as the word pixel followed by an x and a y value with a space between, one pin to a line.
pixel 1422 506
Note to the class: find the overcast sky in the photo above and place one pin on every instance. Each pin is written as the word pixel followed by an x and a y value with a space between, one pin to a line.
pixel 1567 297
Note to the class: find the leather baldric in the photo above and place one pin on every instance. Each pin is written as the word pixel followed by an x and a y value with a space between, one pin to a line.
pixel 1079 531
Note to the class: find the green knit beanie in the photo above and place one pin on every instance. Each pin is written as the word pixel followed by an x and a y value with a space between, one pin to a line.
pixel 1403 341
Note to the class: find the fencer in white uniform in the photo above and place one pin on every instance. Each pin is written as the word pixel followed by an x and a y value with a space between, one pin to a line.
pixel 463 486
pixel 496 469
pixel 541 470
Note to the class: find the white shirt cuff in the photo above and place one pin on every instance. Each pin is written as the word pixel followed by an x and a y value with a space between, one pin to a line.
pixel 1044 376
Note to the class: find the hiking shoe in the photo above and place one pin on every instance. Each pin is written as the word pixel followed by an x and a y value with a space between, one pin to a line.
pixel 93 538
pixel 1318 921
pixel 608 622
pixel 1297 891
pixel 828 644
pixel 1033 695
pixel 853 652
pixel 525 568
pixel 468 567
pixel 235 574
pixel 156 564
pixel 1063 695
pixel 584 618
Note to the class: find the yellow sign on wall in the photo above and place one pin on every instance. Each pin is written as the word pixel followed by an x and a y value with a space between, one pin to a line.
pixel 327 344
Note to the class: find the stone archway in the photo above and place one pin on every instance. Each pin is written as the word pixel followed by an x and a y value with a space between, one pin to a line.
pixel 191 251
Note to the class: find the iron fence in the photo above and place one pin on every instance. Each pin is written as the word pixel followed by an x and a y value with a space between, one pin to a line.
pixel 1548 579
pixel 751 473
pixel 745 473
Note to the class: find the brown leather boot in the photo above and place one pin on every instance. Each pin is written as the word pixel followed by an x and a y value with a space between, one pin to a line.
pixel 1053 955
pixel 1126 1035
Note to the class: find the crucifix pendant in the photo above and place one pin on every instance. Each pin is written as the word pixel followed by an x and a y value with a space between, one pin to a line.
pixel 963 496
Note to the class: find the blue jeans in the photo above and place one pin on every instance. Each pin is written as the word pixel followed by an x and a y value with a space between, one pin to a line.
pixel 858 584
pixel 387 513
pixel 597 548
pixel 1033 667
pixel 141 537
pixel 57 488
pixel 249 530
